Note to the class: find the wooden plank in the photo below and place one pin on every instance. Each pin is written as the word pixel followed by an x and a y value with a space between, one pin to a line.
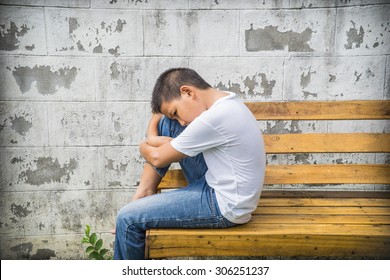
pixel 173 178
pixel 268 245
pixel 307 174
pixel 259 220
pixel 321 110
pixel 292 210
pixel 335 202
pixel 327 143
pixel 290 229
pixel 328 174
pixel 324 194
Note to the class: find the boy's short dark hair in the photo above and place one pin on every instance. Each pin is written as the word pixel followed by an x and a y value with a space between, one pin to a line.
pixel 167 87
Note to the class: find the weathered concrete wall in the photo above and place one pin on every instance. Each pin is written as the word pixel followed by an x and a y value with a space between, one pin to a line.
pixel 76 79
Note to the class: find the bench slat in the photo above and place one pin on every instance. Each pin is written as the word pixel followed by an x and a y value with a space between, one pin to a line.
pixel 307 174
pixel 320 219
pixel 327 143
pixel 328 174
pixel 307 244
pixel 286 194
pixel 321 110
pixel 291 210
pixel 290 229
pixel 336 202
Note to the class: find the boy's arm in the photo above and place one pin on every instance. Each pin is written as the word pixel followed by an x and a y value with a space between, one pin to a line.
pixel 153 139
pixel 157 150
pixel 160 156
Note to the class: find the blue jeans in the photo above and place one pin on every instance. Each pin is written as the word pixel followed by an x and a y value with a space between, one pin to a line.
pixel 194 206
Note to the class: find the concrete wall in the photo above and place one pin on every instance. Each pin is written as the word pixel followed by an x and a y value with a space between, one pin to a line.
pixel 76 78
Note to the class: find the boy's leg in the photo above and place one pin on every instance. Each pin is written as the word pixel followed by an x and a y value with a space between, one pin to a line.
pixel 193 206
pixel 148 183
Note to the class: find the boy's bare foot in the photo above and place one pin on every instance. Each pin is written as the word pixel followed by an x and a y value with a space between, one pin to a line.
pixel 140 193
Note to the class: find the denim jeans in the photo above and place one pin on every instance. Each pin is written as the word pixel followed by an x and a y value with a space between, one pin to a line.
pixel 194 206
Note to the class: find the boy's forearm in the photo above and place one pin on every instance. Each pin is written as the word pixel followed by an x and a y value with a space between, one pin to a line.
pixel 148 152
pixel 153 125
pixel 152 137
pixel 160 156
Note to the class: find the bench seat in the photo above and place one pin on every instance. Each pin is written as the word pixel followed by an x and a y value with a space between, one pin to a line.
pixel 309 224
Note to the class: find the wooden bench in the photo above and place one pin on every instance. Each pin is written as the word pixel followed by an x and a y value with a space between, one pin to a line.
pixel 341 224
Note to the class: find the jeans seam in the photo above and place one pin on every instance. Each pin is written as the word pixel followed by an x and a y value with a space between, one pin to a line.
pixel 212 202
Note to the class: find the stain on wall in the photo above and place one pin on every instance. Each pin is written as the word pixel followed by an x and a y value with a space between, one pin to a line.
pixel 24 252
pixel 250 86
pixel 20 211
pixel 20 125
pixel 48 170
pixel 9 37
pixel 44 77
pixel 71 213
pixel 354 37
pixel 270 38
pixel 282 127
pixel 91 40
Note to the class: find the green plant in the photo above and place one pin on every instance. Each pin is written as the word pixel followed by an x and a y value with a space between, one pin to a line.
pixel 95 250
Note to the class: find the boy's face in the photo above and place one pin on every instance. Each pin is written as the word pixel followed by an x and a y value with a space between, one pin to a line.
pixel 184 109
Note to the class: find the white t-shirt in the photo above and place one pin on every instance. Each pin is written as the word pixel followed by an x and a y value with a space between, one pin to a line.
pixel 232 145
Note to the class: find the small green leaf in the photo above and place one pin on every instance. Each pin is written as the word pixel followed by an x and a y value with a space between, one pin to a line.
pixel 85 240
pixel 87 230
pixel 99 244
pixel 94 255
pixel 93 238
pixel 90 249
pixel 103 252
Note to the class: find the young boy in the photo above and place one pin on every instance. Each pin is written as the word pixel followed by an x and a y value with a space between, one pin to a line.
pixel 220 149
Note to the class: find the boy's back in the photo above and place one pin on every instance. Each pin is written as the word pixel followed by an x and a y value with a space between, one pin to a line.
pixel 232 146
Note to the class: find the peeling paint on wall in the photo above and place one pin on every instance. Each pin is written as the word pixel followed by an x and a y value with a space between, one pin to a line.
pixel 23 252
pixel 20 122
pixel 20 211
pixel 43 254
pixel 20 125
pixel 118 168
pixel 91 40
pixel 71 214
pixel 354 37
pixel 114 71
pixel 282 127
pixel 46 79
pixel 9 37
pixel 250 87
pixel 48 170
pixel 270 38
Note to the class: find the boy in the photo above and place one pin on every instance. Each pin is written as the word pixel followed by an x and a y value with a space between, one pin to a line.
pixel 220 149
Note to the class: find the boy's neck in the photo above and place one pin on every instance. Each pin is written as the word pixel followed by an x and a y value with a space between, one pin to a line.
pixel 211 95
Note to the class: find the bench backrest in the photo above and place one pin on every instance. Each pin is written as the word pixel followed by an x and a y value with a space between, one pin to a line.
pixel 318 143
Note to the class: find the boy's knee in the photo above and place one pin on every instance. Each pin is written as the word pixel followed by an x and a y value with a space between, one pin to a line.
pixel 123 217
pixel 164 126
pixel 170 128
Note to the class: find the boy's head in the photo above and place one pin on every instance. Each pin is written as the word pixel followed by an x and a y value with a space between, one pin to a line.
pixel 169 85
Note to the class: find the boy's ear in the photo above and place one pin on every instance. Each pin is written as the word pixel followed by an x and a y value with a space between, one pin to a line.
pixel 186 90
